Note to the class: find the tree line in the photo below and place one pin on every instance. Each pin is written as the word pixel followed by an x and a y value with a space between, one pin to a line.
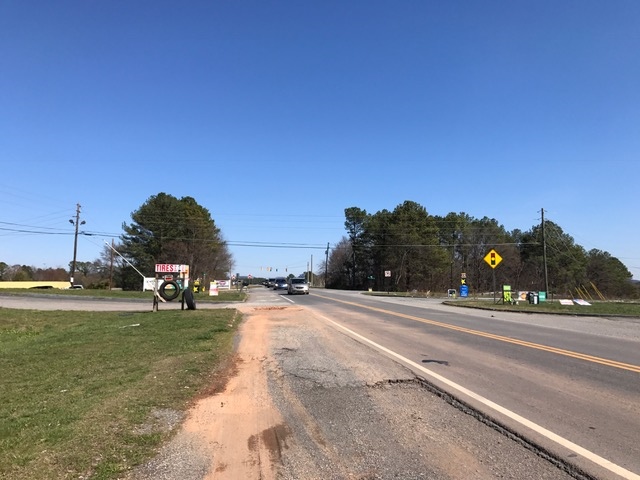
pixel 164 229
pixel 408 249
pixel 419 251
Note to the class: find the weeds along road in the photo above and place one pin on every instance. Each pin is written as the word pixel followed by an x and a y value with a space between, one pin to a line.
pixel 338 385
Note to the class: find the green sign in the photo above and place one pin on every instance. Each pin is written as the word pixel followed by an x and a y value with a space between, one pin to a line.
pixel 506 293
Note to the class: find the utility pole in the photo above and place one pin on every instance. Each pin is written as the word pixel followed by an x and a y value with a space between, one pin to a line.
pixel 544 256
pixel 111 266
pixel 326 265
pixel 453 254
pixel 77 223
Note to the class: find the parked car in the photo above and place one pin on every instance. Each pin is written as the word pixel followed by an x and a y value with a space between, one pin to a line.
pixel 280 283
pixel 298 285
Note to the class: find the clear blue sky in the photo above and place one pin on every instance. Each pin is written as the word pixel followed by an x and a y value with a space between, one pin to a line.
pixel 278 115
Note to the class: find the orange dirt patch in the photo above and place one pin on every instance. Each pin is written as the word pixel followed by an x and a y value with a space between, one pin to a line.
pixel 240 427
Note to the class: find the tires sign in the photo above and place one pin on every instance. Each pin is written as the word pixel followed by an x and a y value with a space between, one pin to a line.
pixel 171 268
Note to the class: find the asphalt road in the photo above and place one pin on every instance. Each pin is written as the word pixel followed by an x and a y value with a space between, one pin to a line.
pixel 46 301
pixel 569 384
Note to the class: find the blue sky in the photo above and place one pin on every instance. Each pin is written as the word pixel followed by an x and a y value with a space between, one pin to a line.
pixel 276 116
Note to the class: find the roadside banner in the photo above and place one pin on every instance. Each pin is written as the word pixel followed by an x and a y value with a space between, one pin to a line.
pixel 213 289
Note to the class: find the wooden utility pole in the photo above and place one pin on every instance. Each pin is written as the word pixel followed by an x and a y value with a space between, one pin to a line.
pixel 326 265
pixel 77 223
pixel 111 266
pixel 544 256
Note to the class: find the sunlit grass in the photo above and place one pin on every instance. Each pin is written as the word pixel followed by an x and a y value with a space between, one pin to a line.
pixel 78 386
pixel 550 306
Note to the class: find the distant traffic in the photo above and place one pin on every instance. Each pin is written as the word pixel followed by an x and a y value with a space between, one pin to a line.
pixel 291 285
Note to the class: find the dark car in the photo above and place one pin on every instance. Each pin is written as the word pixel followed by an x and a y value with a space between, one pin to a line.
pixel 280 283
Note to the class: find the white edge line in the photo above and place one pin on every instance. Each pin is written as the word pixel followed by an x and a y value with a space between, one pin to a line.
pixel 603 462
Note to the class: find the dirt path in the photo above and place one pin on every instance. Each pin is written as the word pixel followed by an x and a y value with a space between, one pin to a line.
pixel 241 425
pixel 234 434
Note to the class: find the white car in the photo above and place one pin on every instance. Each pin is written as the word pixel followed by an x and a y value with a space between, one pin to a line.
pixel 298 285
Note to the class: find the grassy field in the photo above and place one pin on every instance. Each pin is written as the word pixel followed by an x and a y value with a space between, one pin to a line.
pixel 89 395
pixel 613 308
pixel 596 308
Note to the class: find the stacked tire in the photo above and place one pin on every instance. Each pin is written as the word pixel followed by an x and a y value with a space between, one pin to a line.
pixel 187 297
pixel 170 290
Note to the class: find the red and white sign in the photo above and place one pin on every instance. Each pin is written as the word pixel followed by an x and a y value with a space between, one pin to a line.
pixel 171 268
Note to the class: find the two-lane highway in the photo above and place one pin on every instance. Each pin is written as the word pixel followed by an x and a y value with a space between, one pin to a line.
pixel 571 385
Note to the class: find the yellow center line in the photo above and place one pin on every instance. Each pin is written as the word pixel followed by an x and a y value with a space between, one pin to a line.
pixel 537 346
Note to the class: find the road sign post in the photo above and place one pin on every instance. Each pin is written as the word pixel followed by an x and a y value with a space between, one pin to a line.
pixel 493 259
pixel 494 286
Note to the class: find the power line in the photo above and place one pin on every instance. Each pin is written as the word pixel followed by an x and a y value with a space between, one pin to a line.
pixel 243 243
pixel 37 232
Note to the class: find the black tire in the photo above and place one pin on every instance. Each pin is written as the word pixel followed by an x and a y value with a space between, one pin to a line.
pixel 187 296
pixel 173 293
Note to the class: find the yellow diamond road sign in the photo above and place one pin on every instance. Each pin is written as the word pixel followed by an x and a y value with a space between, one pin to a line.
pixel 492 258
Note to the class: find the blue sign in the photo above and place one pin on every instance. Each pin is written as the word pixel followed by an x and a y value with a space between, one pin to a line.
pixel 464 291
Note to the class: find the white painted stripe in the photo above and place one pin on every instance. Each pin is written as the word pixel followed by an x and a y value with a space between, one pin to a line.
pixel 598 460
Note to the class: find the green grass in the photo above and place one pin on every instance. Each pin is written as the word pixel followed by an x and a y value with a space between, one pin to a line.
pixel 223 296
pixel 77 387
pixel 604 308
pixel 596 308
